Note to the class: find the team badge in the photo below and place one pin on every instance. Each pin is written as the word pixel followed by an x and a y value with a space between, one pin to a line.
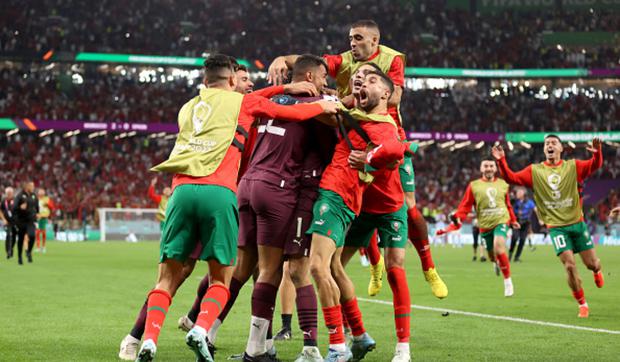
pixel 553 181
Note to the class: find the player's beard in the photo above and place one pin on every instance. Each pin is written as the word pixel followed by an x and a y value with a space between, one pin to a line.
pixel 371 103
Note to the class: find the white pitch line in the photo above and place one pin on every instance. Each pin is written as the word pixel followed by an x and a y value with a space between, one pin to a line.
pixel 505 318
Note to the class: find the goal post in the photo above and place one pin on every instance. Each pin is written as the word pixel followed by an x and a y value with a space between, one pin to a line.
pixel 128 224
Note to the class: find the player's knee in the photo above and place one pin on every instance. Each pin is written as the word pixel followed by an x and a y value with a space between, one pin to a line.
pixel 317 269
pixel 298 273
pixel 395 259
pixel 570 267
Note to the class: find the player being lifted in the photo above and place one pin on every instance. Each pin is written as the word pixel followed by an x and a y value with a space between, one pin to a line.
pixel 490 197
pixel 205 163
pixel 364 37
pixel 557 190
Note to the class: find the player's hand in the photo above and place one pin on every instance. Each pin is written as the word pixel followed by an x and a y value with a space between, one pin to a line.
pixel 498 152
pixel 330 92
pixel 276 74
pixel 348 101
pixel 596 145
pixel 153 181
pixel 357 159
pixel 301 88
pixel 329 107
pixel 515 225
pixel 23 206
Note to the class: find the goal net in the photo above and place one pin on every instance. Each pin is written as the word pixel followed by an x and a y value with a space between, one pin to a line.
pixel 128 224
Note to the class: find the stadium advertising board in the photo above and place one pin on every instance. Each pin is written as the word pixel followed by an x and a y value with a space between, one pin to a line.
pixel 144 59
pixel 539 137
pixel 449 136
pixel 495 73
pixel 59 125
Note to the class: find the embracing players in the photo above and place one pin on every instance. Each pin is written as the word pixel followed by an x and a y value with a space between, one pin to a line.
pixel 364 37
pixel 203 205
pixel 557 186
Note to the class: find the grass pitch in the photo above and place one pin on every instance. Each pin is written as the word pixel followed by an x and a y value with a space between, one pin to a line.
pixel 79 300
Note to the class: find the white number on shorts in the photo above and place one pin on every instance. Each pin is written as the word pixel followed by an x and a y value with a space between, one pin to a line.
pixel 559 242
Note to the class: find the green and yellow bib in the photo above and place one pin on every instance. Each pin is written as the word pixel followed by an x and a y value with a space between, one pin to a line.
pixel 44 210
pixel 349 66
pixel 556 194
pixel 490 197
pixel 207 126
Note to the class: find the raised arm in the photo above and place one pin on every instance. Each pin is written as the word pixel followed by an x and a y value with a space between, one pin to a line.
pixel 523 177
pixel 585 168
pixel 276 74
pixel 151 192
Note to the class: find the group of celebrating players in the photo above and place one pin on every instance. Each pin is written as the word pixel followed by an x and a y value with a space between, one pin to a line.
pixel 289 174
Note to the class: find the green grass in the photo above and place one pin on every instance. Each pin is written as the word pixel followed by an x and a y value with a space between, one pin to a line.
pixel 78 301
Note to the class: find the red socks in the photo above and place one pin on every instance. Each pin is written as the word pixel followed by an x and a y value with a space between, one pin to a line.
pixel 580 297
pixel 402 302
pixel 372 251
pixel 333 321
pixel 504 264
pixel 418 234
pixel 212 304
pixel 354 317
pixel 38 237
pixel 158 304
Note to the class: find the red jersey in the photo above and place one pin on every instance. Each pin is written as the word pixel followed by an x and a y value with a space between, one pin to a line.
pixel 253 105
pixel 340 178
pixel 385 195
pixel 469 200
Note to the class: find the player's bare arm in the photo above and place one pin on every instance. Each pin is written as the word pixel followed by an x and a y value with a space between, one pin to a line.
pixel 277 72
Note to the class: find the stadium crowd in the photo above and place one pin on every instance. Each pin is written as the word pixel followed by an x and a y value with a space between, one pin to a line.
pixel 433 33
pixel 82 174
pixel 121 98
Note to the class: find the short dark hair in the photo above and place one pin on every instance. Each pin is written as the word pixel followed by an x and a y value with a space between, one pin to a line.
pixel 373 65
pixel 365 23
pixel 216 66
pixel 241 67
pixel 551 135
pixel 385 79
pixel 487 158
pixel 306 62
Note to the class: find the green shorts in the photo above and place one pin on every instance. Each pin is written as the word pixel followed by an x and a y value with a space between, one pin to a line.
pixel 201 213
pixel 575 237
pixel 331 217
pixel 42 223
pixel 407 174
pixel 489 236
pixel 392 229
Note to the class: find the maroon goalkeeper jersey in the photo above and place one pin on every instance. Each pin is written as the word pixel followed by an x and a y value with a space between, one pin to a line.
pixel 281 148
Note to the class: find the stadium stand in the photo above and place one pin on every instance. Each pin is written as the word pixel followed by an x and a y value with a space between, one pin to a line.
pixel 433 33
